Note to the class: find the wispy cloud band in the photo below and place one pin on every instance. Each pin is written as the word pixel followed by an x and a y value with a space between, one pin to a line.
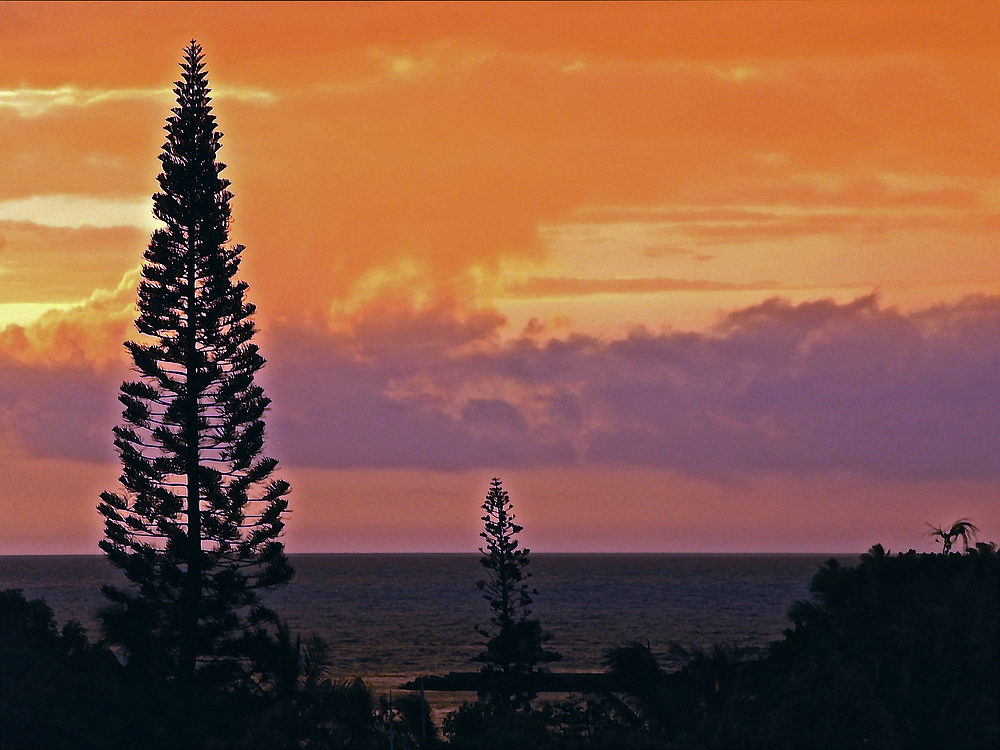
pixel 38 102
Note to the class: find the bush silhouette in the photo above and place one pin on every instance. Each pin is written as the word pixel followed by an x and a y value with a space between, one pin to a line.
pixel 56 688
pixel 898 651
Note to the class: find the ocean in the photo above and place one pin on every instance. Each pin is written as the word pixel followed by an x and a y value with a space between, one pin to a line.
pixel 391 617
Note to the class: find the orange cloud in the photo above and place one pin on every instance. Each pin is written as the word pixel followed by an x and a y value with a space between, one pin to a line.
pixel 87 335
pixel 43 38
pixel 445 137
pixel 460 170
pixel 547 286
pixel 61 264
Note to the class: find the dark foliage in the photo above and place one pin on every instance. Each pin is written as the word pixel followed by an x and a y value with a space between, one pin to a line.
pixel 406 721
pixel 195 530
pixel 514 641
pixel 496 724
pixel 908 645
pixel 900 652
pixel 593 721
pixel 57 690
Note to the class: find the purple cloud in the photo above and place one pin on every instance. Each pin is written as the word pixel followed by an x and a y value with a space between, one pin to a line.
pixel 372 399
pixel 813 387
pixel 800 388
pixel 58 411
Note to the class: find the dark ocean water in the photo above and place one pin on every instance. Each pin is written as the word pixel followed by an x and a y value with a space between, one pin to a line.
pixel 390 617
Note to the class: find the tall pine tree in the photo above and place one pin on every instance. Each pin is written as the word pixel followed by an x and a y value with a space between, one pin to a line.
pixel 196 528
pixel 514 641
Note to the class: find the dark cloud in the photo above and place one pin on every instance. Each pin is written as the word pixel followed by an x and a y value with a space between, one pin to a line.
pixel 814 387
pixel 797 388
pixel 383 395
pixel 58 411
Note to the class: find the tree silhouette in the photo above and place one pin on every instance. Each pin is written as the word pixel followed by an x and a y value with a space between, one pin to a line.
pixel 963 528
pixel 195 530
pixel 514 642
pixel 56 688
pixel 633 665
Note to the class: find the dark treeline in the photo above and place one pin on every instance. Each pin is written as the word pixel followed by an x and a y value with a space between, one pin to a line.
pixel 899 651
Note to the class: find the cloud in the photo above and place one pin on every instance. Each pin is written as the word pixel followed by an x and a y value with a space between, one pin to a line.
pixel 366 397
pixel 658 252
pixel 76 211
pixel 480 165
pixel 47 264
pixel 24 313
pixel 810 388
pixel 474 147
pixel 794 209
pixel 547 286
pixel 814 387
pixel 37 102
pixel 798 389
pixel 85 335
pixel 796 191
pixel 58 412
pixel 60 373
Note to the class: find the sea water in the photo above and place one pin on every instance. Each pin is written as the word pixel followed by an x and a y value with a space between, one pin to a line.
pixel 391 617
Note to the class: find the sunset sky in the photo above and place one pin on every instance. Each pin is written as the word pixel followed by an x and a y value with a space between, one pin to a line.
pixel 685 276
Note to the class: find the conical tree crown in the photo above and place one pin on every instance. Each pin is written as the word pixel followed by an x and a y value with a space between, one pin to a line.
pixel 197 524
pixel 506 588
pixel 514 641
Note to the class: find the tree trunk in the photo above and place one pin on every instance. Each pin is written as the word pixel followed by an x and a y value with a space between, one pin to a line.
pixel 192 592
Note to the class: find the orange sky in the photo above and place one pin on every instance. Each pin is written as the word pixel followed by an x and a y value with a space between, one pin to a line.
pixel 620 255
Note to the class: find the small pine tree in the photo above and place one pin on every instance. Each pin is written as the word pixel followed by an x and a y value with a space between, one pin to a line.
pixel 514 641
pixel 195 530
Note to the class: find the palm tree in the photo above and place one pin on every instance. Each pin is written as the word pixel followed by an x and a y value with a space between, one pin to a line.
pixel 963 527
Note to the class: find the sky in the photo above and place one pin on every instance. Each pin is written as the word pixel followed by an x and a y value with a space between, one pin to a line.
pixel 688 277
